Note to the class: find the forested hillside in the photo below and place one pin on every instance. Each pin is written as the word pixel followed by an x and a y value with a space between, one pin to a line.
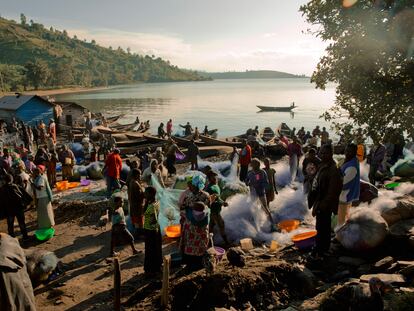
pixel 251 74
pixel 34 57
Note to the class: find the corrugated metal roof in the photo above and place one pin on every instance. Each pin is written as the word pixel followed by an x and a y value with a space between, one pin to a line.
pixel 15 102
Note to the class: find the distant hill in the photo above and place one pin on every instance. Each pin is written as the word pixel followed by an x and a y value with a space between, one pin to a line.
pixel 35 57
pixel 250 74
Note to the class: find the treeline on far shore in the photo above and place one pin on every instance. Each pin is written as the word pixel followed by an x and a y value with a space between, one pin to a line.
pixel 34 57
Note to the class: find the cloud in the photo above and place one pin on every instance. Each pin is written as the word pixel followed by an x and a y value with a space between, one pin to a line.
pixel 289 51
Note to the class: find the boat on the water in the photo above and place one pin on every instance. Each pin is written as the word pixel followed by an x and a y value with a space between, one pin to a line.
pixel 280 109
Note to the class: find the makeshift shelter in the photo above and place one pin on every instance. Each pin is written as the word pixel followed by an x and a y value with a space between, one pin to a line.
pixel 27 108
pixel 72 114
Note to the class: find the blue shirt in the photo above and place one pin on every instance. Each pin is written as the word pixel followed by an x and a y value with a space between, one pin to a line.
pixel 351 181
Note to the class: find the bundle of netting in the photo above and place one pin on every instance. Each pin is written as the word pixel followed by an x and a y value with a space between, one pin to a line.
pixel 364 230
pixel 94 170
pixel 404 167
pixel 40 265
pixel 169 211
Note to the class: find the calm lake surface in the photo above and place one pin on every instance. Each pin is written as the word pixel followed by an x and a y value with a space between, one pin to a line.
pixel 229 105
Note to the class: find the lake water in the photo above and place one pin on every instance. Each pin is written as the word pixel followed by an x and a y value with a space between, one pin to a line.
pixel 229 105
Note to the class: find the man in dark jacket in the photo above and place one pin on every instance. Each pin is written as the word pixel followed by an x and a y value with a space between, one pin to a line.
pixel 13 200
pixel 192 154
pixel 324 198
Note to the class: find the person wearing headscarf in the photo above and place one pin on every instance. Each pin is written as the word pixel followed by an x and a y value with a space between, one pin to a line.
pixel 44 197
pixel 16 291
pixel 153 170
pixel 195 223
pixel 136 199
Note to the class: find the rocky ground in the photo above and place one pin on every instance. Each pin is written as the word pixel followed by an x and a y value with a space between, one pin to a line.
pixel 288 279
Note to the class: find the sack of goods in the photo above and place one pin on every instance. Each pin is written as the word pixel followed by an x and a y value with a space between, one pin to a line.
pixel 364 230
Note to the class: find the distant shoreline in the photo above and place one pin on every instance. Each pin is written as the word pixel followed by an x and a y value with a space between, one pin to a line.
pixel 66 90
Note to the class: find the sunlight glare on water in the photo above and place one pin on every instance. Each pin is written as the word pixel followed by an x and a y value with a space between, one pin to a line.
pixel 229 105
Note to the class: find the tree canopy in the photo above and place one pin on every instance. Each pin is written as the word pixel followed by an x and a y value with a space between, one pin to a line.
pixel 370 57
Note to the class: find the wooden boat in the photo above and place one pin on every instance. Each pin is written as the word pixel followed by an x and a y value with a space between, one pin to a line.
pixel 209 141
pixel 277 148
pixel 114 118
pixel 184 142
pixel 155 139
pixel 135 149
pixel 280 109
pixel 123 127
pixel 267 134
pixel 135 134
pixel 284 130
pixel 131 143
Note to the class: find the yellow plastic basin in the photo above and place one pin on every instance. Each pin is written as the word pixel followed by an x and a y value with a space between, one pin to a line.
pixel 173 231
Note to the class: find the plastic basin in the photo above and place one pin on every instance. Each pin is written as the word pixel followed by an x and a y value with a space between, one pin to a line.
pixel 219 253
pixel 173 231
pixel 45 234
pixel 288 225
pixel 305 240
pixel 85 182
pixel 392 185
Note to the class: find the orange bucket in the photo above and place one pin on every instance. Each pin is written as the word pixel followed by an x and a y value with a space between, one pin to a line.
pixel 173 231
pixel 288 225
pixel 62 185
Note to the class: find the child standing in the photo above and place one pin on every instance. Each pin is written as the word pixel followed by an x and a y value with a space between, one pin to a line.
pixel 120 234
pixel 152 232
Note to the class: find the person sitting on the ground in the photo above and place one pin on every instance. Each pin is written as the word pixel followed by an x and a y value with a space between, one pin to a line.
pixel 258 182
pixel 152 232
pixel 216 204
pixel 16 291
pixel 120 235
pixel 351 183
pixel 323 199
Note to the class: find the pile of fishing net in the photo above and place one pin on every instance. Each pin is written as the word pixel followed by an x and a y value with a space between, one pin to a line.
pixel 169 211
pixel 364 230
pixel 404 167
pixel 77 150
pixel 94 170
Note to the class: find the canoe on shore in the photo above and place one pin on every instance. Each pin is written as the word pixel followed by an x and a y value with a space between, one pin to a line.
pixel 155 139
pixel 210 151
pixel 123 127
pixel 135 149
pixel 209 141
pixel 132 142
pixel 184 142
pixel 278 149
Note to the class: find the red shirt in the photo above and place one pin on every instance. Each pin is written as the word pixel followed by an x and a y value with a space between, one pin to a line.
pixel 246 156
pixel 114 165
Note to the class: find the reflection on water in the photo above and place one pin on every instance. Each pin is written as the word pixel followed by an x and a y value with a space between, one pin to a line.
pixel 229 105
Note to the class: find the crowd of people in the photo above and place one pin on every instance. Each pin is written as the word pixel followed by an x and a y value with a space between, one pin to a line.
pixel 28 175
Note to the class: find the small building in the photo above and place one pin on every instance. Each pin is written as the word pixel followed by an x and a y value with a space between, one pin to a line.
pixel 73 114
pixel 27 108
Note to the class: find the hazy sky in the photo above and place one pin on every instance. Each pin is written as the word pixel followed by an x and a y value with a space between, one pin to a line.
pixel 213 35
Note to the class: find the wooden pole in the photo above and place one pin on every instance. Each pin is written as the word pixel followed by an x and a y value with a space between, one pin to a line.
pixel 117 285
pixel 165 280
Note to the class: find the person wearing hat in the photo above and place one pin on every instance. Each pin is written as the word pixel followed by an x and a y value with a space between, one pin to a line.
pixel 112 169
pixel 44 197
pixel 52 130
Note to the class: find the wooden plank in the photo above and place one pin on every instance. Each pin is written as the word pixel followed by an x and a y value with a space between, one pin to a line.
pixel 117 285
pixel 165 280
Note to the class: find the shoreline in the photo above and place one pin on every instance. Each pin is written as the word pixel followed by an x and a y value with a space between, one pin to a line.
pixel 66 90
